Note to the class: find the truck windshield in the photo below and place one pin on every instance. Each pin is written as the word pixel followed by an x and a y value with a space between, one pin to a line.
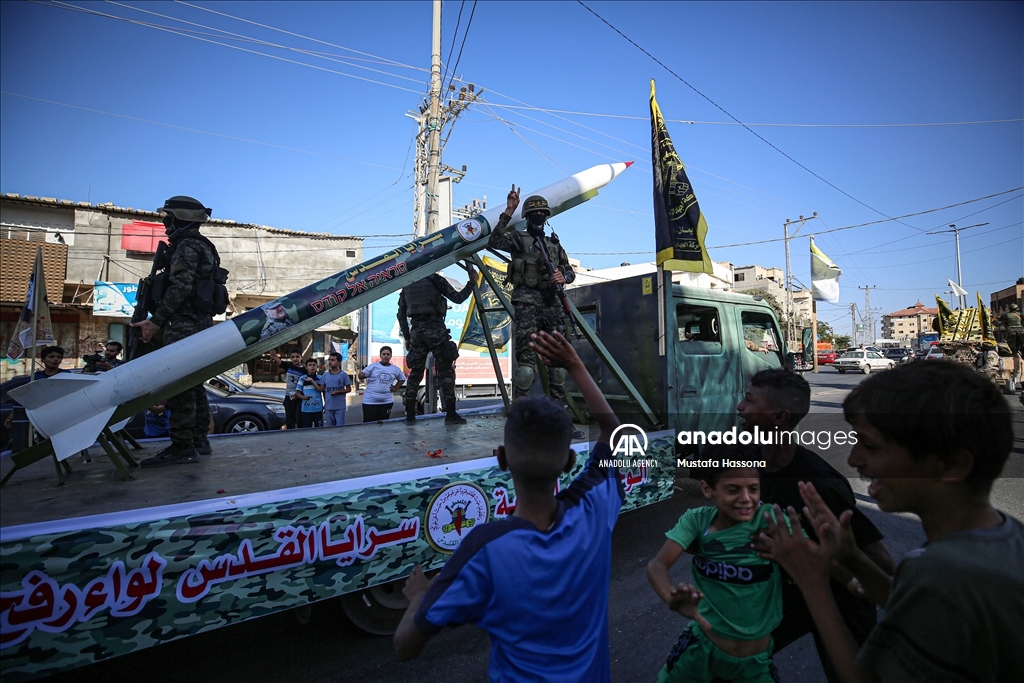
pixel 761 338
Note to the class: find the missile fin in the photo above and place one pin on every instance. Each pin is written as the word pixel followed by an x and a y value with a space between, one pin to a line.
pixel 37 394
pixel 80 436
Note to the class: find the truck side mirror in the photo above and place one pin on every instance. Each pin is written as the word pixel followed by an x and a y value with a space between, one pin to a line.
pixel 790 360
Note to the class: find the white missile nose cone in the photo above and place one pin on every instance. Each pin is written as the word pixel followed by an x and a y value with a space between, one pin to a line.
pixel 619 168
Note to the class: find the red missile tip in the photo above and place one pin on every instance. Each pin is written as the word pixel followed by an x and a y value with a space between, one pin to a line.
pixel 628 164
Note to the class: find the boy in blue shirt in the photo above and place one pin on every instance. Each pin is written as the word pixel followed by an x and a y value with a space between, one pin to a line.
pixel 736 601
pixel 537 581
pixel 312 398
pixel 337 386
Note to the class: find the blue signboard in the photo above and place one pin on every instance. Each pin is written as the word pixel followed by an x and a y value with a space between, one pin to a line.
pixel 114 299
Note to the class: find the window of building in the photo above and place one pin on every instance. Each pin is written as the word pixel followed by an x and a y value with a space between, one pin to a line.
pixel 350 254
pixel 740 277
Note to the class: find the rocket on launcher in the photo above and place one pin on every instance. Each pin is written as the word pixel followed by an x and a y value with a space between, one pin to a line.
pixel 72 409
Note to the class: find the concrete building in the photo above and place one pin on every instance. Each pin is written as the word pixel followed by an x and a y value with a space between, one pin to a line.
pixel 719 279
pixel 905 325
pixel 772 280
pixel 85 245
pixel 1000 301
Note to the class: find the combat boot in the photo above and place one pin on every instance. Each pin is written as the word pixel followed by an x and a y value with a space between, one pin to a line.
pixel 172 455
pixel 452 417
pixel 202 445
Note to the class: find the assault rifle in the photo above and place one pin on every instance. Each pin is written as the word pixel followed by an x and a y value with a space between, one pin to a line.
pixel 143 304
pixel 559 290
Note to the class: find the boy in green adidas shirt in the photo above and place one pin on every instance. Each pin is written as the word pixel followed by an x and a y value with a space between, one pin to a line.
pixel 736 599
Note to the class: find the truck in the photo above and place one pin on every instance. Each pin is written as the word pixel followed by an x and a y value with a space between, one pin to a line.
pixel 281 520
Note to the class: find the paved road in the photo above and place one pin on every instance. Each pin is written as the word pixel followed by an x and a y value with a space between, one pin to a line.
pixel 278 649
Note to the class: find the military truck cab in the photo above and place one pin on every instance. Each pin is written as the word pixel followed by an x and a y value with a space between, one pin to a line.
pixel 714 342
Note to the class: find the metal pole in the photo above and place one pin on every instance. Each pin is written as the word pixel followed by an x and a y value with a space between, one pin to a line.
pixel 959 275
pixel 434 123
pixel 785 284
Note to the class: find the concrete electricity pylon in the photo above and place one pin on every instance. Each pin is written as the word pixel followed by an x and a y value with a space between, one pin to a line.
pixel 434 115
pixel 790 327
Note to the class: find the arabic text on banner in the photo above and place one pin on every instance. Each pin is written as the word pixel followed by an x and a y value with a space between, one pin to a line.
pixel 679 225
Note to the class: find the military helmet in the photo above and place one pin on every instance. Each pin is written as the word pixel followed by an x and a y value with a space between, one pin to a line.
pixel 1014 307
pixel 186 209
pixel 536 203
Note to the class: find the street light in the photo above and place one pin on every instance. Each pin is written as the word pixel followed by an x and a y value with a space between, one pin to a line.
pixel 956 233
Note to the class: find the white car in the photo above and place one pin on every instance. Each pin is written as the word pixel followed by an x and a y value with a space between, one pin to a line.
pixel 934 353
pixel 862 360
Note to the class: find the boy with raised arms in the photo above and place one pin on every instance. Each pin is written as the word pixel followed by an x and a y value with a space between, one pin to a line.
pixel 931 439
pixel 537 581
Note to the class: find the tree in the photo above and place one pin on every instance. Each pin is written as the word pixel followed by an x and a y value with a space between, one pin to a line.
pixel 825 333
pixel 769 299
pixel 842 341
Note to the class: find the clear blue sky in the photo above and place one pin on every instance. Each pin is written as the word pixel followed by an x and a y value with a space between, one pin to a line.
pixel 282 144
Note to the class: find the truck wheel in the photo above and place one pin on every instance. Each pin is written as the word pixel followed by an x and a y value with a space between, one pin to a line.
pixel 866 369
pixel 377 610
pixel 244 424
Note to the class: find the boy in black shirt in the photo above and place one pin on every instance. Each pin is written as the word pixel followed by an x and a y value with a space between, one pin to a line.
pixel 775 402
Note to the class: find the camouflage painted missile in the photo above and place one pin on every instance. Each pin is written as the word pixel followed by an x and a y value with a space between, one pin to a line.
pixel 72 409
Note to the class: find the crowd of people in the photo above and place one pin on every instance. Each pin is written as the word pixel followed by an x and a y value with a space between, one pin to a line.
pixel 931 438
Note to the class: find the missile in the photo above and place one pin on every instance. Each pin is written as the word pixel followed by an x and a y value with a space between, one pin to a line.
pixel 72 409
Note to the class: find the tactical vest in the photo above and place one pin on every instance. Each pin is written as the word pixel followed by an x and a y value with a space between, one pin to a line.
pixel 528 267
pixel 209 294
pixel 422 298
pixel 1012 321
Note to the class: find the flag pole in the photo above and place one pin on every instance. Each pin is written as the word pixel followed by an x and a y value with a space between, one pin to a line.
pixel 35 315
pixel 814 333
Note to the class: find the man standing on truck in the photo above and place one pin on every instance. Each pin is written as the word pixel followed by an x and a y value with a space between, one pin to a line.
pixel 186 295
pixel 1014 335
pixel 535 296
pixel 424 302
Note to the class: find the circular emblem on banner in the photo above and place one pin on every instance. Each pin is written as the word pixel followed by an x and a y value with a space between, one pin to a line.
pixel 470 229
pixel 452 513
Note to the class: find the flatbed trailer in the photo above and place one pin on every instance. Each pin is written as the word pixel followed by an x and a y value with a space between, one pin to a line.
pixel 277 520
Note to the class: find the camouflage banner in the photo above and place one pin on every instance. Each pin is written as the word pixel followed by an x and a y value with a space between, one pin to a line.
pixel 73 594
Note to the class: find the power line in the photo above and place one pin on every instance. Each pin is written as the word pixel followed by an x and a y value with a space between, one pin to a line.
pixel 761 125
pixel 464 36
pixel 451 49
pixel 861 225
pixel 203 132
pixel 745 126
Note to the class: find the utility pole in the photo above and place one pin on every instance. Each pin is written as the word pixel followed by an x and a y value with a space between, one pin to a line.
pixel 962 300
pixel 868 315
pixel 853 324
pixel 790 334
pixel 434 122
pixel 431 119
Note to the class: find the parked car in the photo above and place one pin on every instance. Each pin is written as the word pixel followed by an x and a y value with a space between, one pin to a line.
pixel 934 353
pixel 899 355
pixel 920 353
pixel 235 409
pixel 826 357
pixel 862 360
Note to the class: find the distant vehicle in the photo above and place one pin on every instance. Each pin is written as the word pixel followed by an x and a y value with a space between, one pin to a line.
pixel 899 355
pixel 826 357
pixel 863 360
pixel 934 353
pixel 235 409
pixel 920 354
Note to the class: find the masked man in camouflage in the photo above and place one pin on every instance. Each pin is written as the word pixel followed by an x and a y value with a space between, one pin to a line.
pixel 536 303
pixel 1014 327
pixel 186 295
pixel 424 303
